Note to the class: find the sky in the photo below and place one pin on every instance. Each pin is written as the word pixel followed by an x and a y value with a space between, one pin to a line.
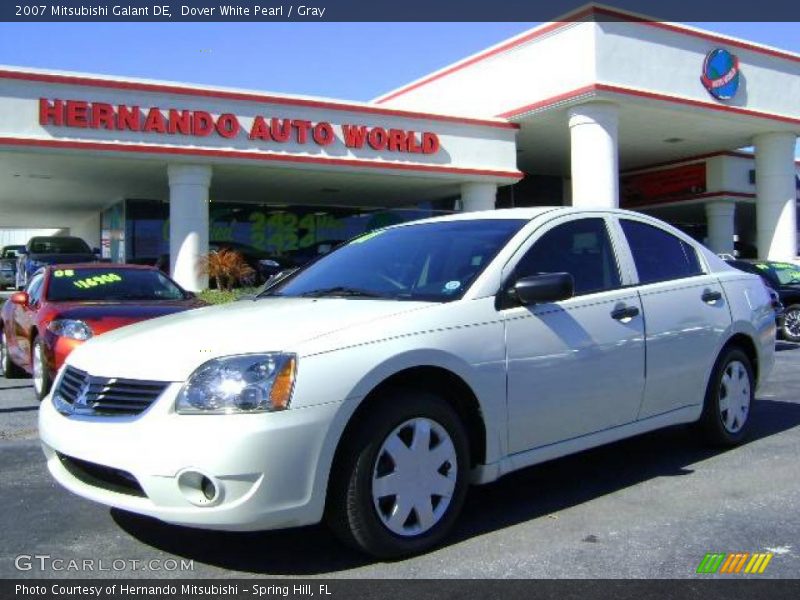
pixel 351 61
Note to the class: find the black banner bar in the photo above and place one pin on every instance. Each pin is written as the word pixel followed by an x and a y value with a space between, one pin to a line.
pixel 739 588
pixel 387 10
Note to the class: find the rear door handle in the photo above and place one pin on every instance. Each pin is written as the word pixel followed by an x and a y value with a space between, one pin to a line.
pixel 710 296
pixel 622 313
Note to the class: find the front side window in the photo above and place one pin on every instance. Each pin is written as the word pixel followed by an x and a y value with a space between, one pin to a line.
pixel 581 248
pixel 35 289
pixel 658 255
pixel 434 262
pixel 94 284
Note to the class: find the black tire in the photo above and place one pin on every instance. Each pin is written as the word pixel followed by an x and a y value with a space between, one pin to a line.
pixel 47 379
pixel 721 426
pixel 353 513
pixel 7 367
pixel 791 323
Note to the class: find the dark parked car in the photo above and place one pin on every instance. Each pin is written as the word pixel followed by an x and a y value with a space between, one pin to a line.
pixel 8 265
pixel 263 263
pixel 49 250
pixel 784 278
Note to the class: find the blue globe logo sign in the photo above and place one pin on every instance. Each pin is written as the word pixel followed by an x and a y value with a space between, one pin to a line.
pixel 721 74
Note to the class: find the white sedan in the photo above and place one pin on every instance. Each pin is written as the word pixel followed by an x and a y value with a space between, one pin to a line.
pixel 370 388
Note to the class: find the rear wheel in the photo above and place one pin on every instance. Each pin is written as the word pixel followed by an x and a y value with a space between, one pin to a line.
pixel 7 367
pixel 401 480
pixel 791 323
pixel 729 399
pixel 41 374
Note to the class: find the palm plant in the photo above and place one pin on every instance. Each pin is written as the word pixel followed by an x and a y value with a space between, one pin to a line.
pixel 226 267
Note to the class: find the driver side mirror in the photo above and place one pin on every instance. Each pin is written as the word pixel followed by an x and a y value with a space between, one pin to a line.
pixel 543 287
pixel 19 298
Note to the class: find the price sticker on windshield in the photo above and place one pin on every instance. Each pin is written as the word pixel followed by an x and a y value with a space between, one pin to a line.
pixel 90 282
pixel 64 273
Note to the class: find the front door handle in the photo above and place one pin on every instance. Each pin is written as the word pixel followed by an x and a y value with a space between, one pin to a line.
pixel 709 296
pixel 624 313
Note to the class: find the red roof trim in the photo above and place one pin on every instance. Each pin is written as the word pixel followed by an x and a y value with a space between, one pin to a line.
pixel 576 16
pixel 251 155
pixel 690 159
pixel 605 87
pixel 536 33
pixel 241 96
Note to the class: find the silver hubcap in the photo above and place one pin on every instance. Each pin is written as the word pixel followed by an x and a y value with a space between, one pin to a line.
pixel 734 396
pixel 792 322
pixel 414 477
pixel 38 369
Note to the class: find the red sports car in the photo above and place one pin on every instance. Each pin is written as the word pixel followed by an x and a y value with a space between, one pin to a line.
pixel 65 305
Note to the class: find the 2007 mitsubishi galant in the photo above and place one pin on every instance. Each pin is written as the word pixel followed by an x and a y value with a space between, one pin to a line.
pixel 373 386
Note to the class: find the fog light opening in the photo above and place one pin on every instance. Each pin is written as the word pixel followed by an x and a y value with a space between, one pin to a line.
pixel 208 487
pixel 199 489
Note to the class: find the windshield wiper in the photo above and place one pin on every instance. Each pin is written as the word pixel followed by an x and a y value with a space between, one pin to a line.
pixel 343 291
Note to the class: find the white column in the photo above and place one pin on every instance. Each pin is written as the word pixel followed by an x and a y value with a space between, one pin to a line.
pixel 478 196
pixel 188 223
pixel 594 155
pixel 776 225
pixel 720 222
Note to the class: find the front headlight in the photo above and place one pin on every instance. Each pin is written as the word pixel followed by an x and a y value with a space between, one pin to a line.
pixel 71 328
pixel 246 383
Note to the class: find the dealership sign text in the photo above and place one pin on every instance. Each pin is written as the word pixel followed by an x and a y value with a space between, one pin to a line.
pixel 199 123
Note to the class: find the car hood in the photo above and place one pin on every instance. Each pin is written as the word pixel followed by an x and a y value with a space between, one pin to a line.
pixel 103 316
pixel 171 348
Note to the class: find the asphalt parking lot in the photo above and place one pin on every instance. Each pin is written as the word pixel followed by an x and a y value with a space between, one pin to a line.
pixel 648 507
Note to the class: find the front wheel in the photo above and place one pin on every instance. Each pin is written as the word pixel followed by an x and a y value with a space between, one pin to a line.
pixel 42 380
pixel 729 399
pixel 401 478
pixel 791 323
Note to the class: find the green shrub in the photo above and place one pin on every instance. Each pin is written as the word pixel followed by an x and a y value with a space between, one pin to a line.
pixel 225 296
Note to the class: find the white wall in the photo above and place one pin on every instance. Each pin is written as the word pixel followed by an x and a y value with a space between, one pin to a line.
pixel 468 145
pixel 651 58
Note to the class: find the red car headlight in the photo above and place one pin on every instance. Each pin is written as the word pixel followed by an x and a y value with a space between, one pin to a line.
pixel 71 328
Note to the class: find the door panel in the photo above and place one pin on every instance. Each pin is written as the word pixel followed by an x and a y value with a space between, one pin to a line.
pixel 573 369
pixel 683 333
pixel 577 366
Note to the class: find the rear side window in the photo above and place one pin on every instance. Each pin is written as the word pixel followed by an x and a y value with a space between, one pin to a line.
pixel 658 255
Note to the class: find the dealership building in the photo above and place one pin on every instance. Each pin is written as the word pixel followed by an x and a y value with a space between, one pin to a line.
pixel 600 109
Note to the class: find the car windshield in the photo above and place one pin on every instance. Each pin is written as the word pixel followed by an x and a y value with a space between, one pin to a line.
pixel 10 253
pixel 57 245
pixel 784 273
pixel 110 284
pixel 427 261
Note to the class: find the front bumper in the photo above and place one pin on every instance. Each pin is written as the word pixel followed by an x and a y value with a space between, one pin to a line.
pixel 266 466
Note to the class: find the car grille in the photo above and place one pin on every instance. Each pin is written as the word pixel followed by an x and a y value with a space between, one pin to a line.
pixel 107 478
pixel 86 394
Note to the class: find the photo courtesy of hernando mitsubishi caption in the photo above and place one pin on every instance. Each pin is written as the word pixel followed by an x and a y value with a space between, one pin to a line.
pixel 370 388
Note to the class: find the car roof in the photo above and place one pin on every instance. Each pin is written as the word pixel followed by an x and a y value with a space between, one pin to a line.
pixel 527 213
